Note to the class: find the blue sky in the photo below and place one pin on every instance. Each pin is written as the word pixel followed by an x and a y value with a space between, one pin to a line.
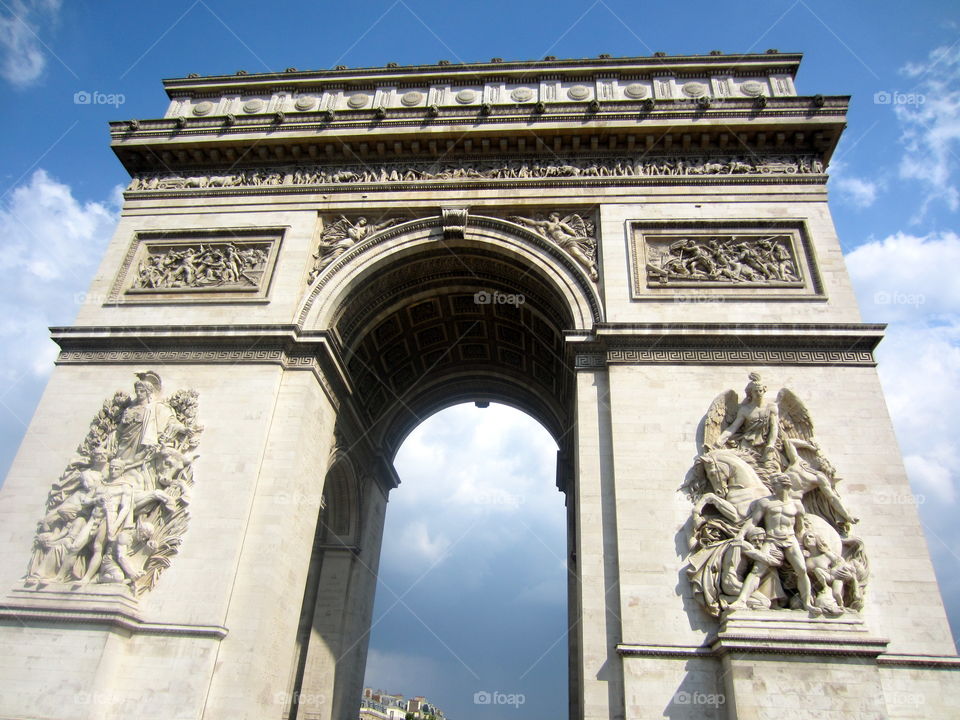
pixel 894 197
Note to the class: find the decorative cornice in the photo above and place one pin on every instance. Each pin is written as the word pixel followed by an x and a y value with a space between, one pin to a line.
pixel 274 344
pixel 942 662
pixel 27 616
pixel 92 605
pixel 726 344
pixel 665 651
pixel 658 65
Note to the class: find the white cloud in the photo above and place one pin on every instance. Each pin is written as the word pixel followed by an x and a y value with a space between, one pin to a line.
pixel 51 245
pixel 910 282
pixel 418 543
pixel 475 483
pixel 907 278
pixel 22 57
pixel 930 116
pixel 856 191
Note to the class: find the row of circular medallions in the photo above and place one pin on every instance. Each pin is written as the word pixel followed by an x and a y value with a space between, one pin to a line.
pixel 468 96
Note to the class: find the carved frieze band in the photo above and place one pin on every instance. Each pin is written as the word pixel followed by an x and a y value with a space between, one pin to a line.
pixel 633 166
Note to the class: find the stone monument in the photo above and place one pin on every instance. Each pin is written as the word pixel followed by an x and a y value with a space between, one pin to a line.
pixel 309 263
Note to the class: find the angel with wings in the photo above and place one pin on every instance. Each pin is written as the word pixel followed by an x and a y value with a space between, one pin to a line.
pixel 752 426
pixel 778 436
pixel 750 449
pixel 340 236
pixel 572 234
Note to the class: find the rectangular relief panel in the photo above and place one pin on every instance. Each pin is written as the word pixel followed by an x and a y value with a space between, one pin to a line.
pixel 722 259
pixel 198 265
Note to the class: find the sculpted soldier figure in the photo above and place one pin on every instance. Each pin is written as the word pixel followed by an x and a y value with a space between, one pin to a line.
pixel 782 519
pixel 145 422
pixel 112 515
pixel 118 512
pixel 751 553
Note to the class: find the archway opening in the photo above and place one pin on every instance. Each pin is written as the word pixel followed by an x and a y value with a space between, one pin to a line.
pixel 424 321
pixel 471 603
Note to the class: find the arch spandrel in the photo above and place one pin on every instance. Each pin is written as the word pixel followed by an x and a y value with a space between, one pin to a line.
pixel 333 287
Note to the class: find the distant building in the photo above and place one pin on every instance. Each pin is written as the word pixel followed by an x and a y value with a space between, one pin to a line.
pixel 378 705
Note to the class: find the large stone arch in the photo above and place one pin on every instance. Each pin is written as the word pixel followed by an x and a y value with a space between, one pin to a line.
pixel 369 298
pixel 401 311
pixel 284 368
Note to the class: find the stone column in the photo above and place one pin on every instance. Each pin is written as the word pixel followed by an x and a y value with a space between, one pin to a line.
pixel 601 694
pixel 256 659
pixel 317 690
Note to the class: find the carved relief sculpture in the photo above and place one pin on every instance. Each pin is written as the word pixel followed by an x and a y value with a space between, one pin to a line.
pixel 341 235
pixel 118 513
pixel 769 529
pixel 625 166
pixel 573 234
pixel 219 265
pixel 722 259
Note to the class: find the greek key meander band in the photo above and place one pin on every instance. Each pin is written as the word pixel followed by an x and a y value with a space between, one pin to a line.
pixel 289 361
pixel 724 357
pixel 582 360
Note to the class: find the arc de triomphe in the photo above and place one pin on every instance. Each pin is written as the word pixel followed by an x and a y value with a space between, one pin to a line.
pixel 637 252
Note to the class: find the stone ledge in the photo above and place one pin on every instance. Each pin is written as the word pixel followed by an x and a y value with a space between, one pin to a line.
pixel 946 662
pixel 794 632
pixel 660 651
pixel 110 606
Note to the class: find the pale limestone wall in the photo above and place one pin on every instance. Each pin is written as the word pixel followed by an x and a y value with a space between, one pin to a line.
pixel 616 206
pixel 675 688
pixel 70 659
pixel 655 434
pixel 255 660
pixel 761 688
pixel 913 693
pixel 363 582
pixel 287 287
pixel 258 486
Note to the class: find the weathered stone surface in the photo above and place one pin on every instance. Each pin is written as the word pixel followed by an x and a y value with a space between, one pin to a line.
pixel 343 283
